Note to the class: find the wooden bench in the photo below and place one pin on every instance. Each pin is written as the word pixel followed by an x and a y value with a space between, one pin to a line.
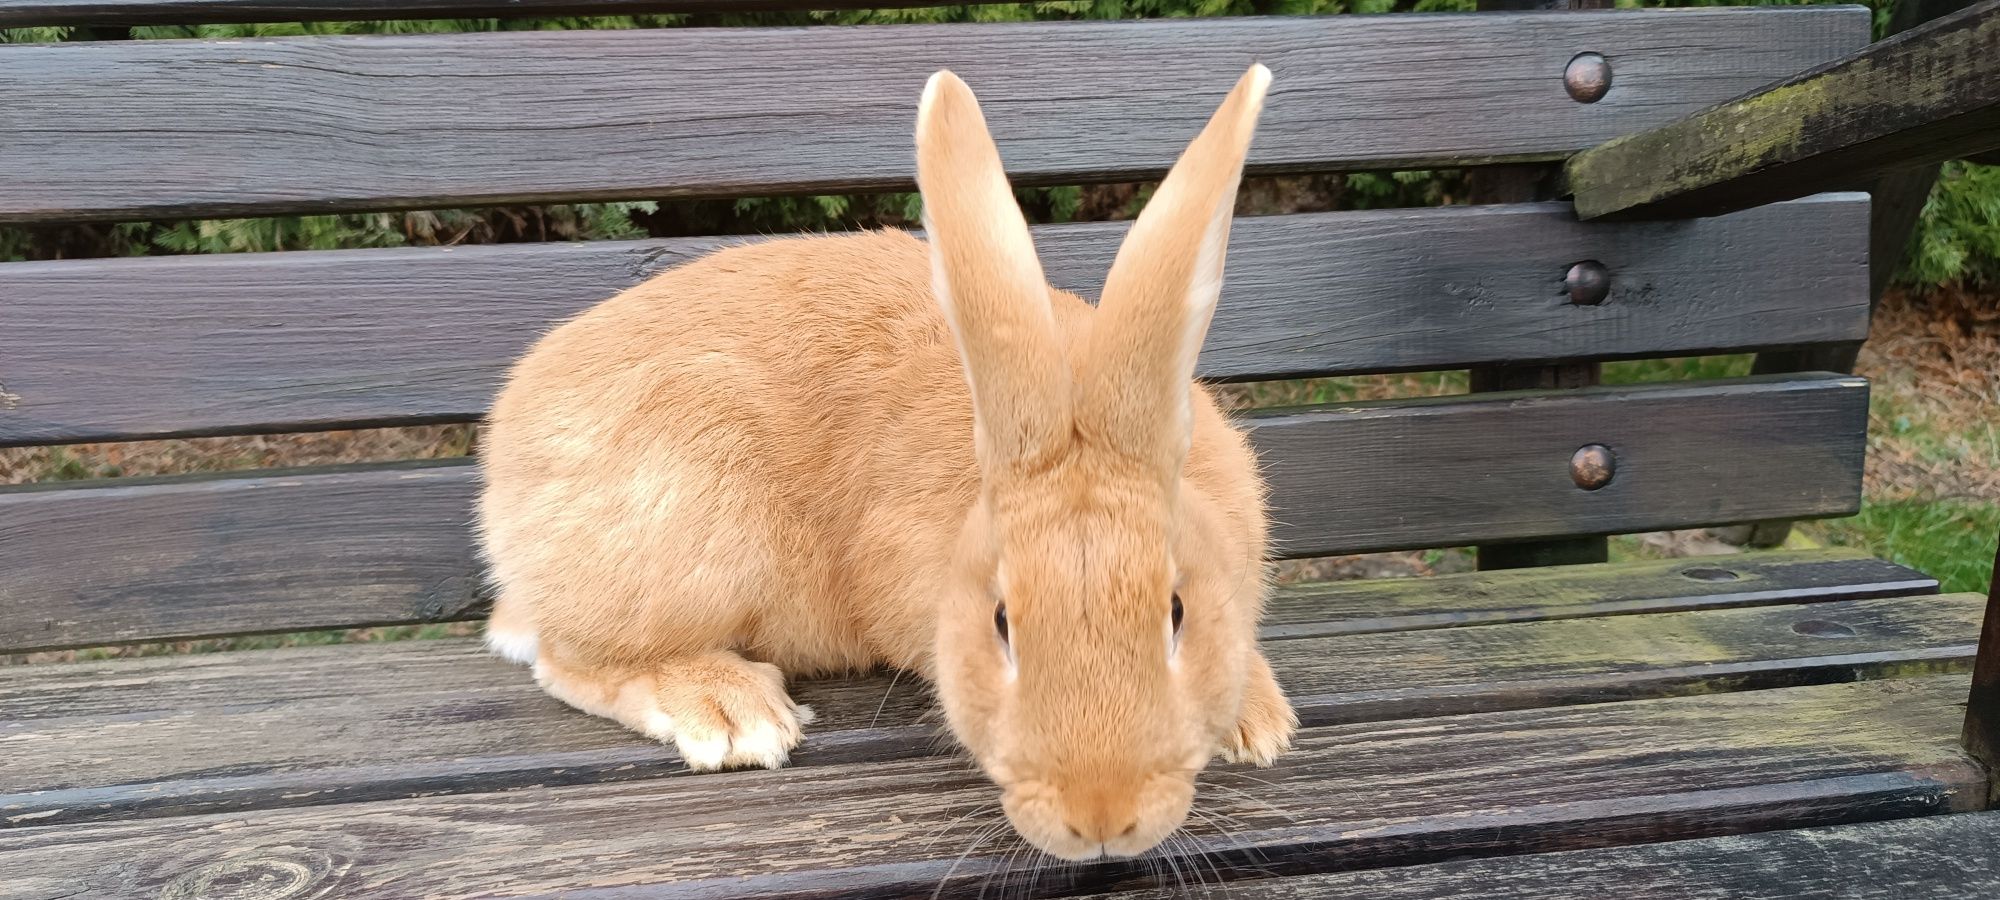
pixel 1522 732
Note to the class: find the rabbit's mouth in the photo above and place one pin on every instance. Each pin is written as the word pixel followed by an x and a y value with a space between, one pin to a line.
pixel 1098 817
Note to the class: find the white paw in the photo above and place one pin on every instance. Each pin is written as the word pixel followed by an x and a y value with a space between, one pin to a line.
pixel 761 744
pixel 1264 734
pixel 756 743
pixel 515 646
pixel 703 750
pixel 658 725
pixel 725 713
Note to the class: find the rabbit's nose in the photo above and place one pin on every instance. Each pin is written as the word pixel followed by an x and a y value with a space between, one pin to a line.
pixel 1102 828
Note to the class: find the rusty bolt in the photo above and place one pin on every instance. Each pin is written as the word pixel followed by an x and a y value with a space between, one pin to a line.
pixel 1592 466
pixel 1587 283
pixel 1587 77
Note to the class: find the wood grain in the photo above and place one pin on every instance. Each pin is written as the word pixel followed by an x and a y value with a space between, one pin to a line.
pixel 1982 705
pixel 1938 858
pixel 1519 184
pixel 1495 467
pixel 24 13
pixel 203 555
pixel 1926 95
pixel 123 348
pixel 321 124
pixel 148 560
pixel 1638 586
pixel 1349 797
pixel 313 726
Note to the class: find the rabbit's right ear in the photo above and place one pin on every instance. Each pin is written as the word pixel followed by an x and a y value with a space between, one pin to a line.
pixel 986 276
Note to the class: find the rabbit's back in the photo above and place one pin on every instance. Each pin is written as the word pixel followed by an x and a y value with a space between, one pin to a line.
pixel 791 413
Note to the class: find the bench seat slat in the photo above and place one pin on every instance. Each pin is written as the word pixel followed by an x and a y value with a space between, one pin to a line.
pixel 1326 608
pixel 339 123
pixel 1350 796
pixel 150 559
pixel 288 341
pixel 365 722
pixel 1938 858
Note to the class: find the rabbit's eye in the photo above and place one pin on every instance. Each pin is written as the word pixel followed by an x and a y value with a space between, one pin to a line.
pixel 1000 621
pixel 1177 614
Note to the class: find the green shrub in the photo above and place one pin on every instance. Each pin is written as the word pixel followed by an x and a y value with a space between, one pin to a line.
pixel 1958 236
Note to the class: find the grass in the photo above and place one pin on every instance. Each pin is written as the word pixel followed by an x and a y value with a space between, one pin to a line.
pixel 1950 540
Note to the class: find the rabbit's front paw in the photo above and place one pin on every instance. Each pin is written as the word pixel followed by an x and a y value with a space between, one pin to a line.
pixel 723 711
pixel 1264 729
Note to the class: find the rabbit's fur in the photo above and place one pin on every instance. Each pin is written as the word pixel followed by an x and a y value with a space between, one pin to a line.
pixel 832 453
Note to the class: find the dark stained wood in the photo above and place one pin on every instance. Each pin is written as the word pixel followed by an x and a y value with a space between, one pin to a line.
pixel 155 559
pixel 1561 592
pixel 1982 706
pixel 117 739
pixel 1350 796
pixel 1927 95
pixel 1937 858
pixel 1533 554
pixel 330 123
pixel 1485 468
pixel 1896 199
pixel 22 13
pixel 165 558
pixel 1453 671
pixel 1519 184
pixel 122 348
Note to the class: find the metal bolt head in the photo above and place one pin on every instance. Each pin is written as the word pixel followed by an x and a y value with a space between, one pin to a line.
pixel 1592 466
pixel 1587 77
pixel 1587 283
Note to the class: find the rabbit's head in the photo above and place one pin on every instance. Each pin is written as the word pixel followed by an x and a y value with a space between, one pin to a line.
pixel 1094 646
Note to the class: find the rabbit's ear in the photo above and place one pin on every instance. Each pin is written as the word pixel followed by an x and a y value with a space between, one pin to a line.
pixel 986 276
pixel 1162 291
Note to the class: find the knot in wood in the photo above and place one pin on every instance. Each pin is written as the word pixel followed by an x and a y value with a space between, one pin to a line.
pixel 1587 77
pixel 295 874
pixel 1592 466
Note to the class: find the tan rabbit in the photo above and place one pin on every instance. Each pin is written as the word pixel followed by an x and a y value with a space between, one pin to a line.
pixel 768 462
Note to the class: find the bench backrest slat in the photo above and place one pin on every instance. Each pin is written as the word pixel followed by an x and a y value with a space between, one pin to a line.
pixel 285 341
pixel 20 13
pixel 129 129
pixel 215 345
pixel 379 545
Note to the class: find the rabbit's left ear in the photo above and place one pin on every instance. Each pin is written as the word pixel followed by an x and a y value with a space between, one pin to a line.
pixel 988 281
pixel 1162 292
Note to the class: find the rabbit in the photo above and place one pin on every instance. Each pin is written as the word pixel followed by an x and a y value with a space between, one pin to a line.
pixel 832 453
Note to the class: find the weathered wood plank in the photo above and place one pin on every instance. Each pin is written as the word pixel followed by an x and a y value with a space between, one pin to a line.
pixel 1937 858
pixel 1563 592
pixel 306 125
pixel 125 738
pixel 1519 184
pixel 122 348
pixel 1896 199
pixel 1494 467
pixel 156 559
pixel 24 13
pixel 1927 95
pixel 166 558
pixel 1982 706
pixel 1349 797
